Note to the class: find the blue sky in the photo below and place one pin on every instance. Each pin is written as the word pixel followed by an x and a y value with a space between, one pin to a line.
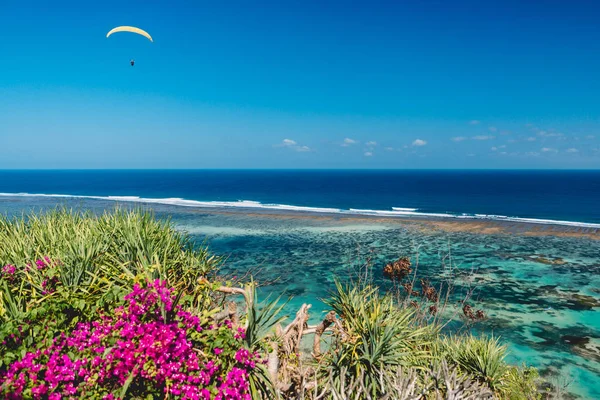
pixel 462 84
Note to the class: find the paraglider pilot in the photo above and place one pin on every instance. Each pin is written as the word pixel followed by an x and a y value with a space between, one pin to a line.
pixel 131 29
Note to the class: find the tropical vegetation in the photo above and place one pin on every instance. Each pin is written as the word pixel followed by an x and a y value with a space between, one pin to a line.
pixel 123 306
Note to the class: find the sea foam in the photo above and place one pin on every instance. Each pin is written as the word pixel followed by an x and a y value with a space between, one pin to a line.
pixel 255 205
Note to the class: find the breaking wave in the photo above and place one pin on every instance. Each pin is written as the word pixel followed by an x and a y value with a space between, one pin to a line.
pixel 255 205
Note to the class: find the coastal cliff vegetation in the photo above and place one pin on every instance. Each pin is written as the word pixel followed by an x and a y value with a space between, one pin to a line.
pixel 122 306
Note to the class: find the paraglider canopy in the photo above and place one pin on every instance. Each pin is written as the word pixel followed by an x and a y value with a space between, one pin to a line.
pixel 131 29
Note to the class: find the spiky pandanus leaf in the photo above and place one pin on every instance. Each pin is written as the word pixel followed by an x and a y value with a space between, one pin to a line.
pixel 482 357
pixel 377 338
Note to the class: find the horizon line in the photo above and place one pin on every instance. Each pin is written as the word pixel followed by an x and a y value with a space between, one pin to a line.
pixel 292 169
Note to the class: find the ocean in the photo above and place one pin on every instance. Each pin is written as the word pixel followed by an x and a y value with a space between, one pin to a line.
pixel 526 242
pixel 565 196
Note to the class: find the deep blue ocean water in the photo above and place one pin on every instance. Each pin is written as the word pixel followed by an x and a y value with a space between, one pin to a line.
pixel 541 293
pixel 556 195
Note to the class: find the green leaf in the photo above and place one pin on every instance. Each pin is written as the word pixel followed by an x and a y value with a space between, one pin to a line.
pixel 126 385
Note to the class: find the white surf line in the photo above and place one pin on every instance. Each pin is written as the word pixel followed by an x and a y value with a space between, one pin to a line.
pixel 249 204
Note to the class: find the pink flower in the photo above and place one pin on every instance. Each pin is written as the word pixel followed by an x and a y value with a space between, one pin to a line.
pixel 9 270
pixel 136 341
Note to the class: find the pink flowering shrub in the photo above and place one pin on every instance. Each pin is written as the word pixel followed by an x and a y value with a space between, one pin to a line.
pixel 148 346
pixel 36 307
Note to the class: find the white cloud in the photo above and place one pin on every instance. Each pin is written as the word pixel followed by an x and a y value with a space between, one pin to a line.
pixel 512 141
pixel 503 153
pixel 549 150
pixel 572 150
pixel 389 148
pixel 493 129
pixel 292 144
pixel 531 139
pixel 368 154
pixel 549 134
pixel 483 137
pixel 471 155
pixel 419 142
pixel 590 136
pixel 349 142
pixel 494 148
pixel 371 143
pixel 474 122
pixel 532 153
pixel 459 138
pixel 502 147
pixel 289 142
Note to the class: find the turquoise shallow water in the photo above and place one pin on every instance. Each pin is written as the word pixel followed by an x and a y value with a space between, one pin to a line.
pixel 541 294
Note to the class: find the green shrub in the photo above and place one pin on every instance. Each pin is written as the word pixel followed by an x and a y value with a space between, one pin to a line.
pixel 377 338
pixel 67 266
pixel 480 357
pixel 94 253
pixel 521 384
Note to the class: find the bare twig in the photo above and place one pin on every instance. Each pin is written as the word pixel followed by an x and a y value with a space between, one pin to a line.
pixel 319 330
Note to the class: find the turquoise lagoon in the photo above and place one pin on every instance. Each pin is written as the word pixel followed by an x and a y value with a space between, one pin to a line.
pixel 541 294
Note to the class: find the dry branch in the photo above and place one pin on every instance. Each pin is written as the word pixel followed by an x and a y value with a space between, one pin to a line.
pixel 319 330
pixel 229 312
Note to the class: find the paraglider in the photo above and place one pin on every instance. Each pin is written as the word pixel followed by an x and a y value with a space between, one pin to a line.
pixel 131 29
